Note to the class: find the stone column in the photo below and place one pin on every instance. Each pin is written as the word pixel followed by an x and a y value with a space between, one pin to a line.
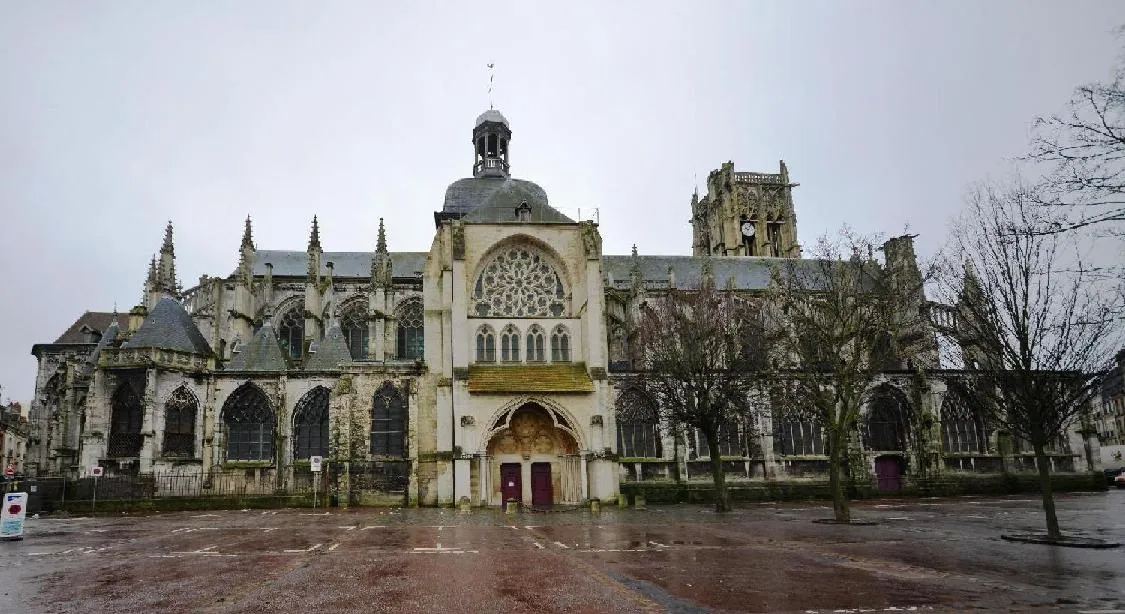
pixel 148 426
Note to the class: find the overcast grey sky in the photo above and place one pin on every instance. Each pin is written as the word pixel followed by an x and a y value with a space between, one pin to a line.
pixel 118 116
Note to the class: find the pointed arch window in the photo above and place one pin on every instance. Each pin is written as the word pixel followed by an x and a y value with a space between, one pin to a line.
pixel 510 344
pixel 291 332
pixel 560 344
pixel 388 423
pixel 794 437
pixel 535 344
pixel 887 420
pixel 486 344
pixel 638 428
pixel 125 437
pixel 310 424
pixel 180 411
pixel 410 340
pixel 961 431
pixel 353 323
pixel 250 424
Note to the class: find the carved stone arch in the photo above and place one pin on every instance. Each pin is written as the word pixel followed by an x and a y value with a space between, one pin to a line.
pixel 249 420
pixel 310 424
pixel 520 277
pixel 561 418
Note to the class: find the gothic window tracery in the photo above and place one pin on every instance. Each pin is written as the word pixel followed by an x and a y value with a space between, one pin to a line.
pixel 410 339
pixel 291 332
pixel 125 437
pixel 638 427
pixel 535 344
pixel 887 420
pixel 560 344
pixel 519 282
pixel 486 344
pixel 796 437
pixel 961 431
pixel 733 438
pixel 250 424
pixel 310 424
pixel 353 323
pixel 510 344
pixel 388 423
pixel 179 423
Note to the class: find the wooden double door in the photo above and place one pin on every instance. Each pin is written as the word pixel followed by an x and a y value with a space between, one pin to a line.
pixel 511 483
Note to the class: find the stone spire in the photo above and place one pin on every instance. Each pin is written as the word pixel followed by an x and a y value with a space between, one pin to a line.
pixel 247 236
pixel 166 267
pixel 636 277
pixel 246 255
pixel 314 252
pixel 381 262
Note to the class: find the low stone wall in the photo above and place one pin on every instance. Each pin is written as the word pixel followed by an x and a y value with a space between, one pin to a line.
pixel 805 490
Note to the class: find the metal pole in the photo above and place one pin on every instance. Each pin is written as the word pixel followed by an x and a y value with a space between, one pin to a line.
pixel 315 476
pixel 94 498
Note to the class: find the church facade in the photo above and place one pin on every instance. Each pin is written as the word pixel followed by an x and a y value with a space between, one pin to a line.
pixel 486 369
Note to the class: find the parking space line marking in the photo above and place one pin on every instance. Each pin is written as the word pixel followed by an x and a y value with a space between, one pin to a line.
pixel 300 550
pixel 562 545
pixel 333 547
pixel 538 545
pixel 657 544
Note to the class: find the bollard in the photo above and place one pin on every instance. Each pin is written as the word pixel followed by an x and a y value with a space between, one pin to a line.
pixel 622 501
pixel 595 506
pixel 464 505
pixel 639 501
pixel 512 506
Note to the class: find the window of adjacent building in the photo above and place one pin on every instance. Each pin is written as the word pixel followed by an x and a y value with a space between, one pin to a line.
pixel 310 424
pixel 486 345
pixel 353 323
pixel 510 344
pixel 250 424
pixel 638 428
pixel 179 423
pixel 125 437
pixel 410 340
pixel 560 345
pixel 535 344
pixel 291 331
pixel 388 423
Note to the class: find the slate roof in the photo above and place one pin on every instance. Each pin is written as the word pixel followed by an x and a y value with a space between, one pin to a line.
pixel 262 353
pixel 96 320
pixel 344 264
pixel 331 352
pixel 491 115
pixel 743 272
pixel 169 327
pixel 558 377
pixel 109 338
pixel 465 195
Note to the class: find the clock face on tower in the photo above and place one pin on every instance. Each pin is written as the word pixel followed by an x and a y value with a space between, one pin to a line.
pixel 747 229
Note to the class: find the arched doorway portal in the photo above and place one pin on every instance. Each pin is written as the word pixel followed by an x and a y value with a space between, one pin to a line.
pixel 532 458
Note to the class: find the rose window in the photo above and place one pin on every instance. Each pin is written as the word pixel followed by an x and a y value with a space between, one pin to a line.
pixel 519 282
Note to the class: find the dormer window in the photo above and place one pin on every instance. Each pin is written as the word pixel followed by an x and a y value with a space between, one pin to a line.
pixel 523 212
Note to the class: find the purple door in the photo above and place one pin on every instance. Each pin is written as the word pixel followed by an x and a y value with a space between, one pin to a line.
pixel 511 482
pixel 541 484
pixel 888 471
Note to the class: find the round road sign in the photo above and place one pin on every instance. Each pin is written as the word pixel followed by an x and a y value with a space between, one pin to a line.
pixel 10 471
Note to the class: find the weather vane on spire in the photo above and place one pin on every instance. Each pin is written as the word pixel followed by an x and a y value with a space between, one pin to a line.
pixel 491 76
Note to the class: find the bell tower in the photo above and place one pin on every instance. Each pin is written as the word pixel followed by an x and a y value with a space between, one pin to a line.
pixel 746 214
pixel 491 136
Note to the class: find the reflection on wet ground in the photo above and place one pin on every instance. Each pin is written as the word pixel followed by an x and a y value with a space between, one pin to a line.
pixel 940 555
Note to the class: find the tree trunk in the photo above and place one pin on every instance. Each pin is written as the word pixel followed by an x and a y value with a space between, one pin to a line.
pixel 836 458
pixel 722 499
pixel 1044 465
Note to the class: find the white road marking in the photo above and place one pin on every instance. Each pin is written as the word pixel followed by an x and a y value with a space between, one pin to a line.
pixel 657 544
pixel 206 516
pixel 347 528
pixel 562 545
pixel 299 550
pixel 374 526
pixel 333 547
pixel 538 545
pixel 308 514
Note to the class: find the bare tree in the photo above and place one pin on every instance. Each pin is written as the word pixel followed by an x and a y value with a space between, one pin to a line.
pixel 1037 332
pixel 1084 149
pixel 837 322
pixel 702 350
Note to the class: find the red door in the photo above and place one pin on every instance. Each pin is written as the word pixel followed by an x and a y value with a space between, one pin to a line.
pixel 888 470
pixel 541 484
pixel 511 482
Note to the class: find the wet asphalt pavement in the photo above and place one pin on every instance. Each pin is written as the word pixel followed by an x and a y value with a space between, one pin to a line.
pixel 923 555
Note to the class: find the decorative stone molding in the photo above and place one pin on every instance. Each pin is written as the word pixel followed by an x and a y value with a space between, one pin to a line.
pixel 468 421
pixel 596 420
pixel 458 240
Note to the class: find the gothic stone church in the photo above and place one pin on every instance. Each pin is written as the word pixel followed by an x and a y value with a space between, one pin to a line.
pixel 483 370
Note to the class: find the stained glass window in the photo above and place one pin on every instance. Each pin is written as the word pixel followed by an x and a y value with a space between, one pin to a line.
pixel 410 340
pixel 310 424
pixel 519 282
pixel 250 424
pixel 388 422
pixel 125 437
pixel 353 323
pixel 179 423
pixel 291 331
pixel 961 431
